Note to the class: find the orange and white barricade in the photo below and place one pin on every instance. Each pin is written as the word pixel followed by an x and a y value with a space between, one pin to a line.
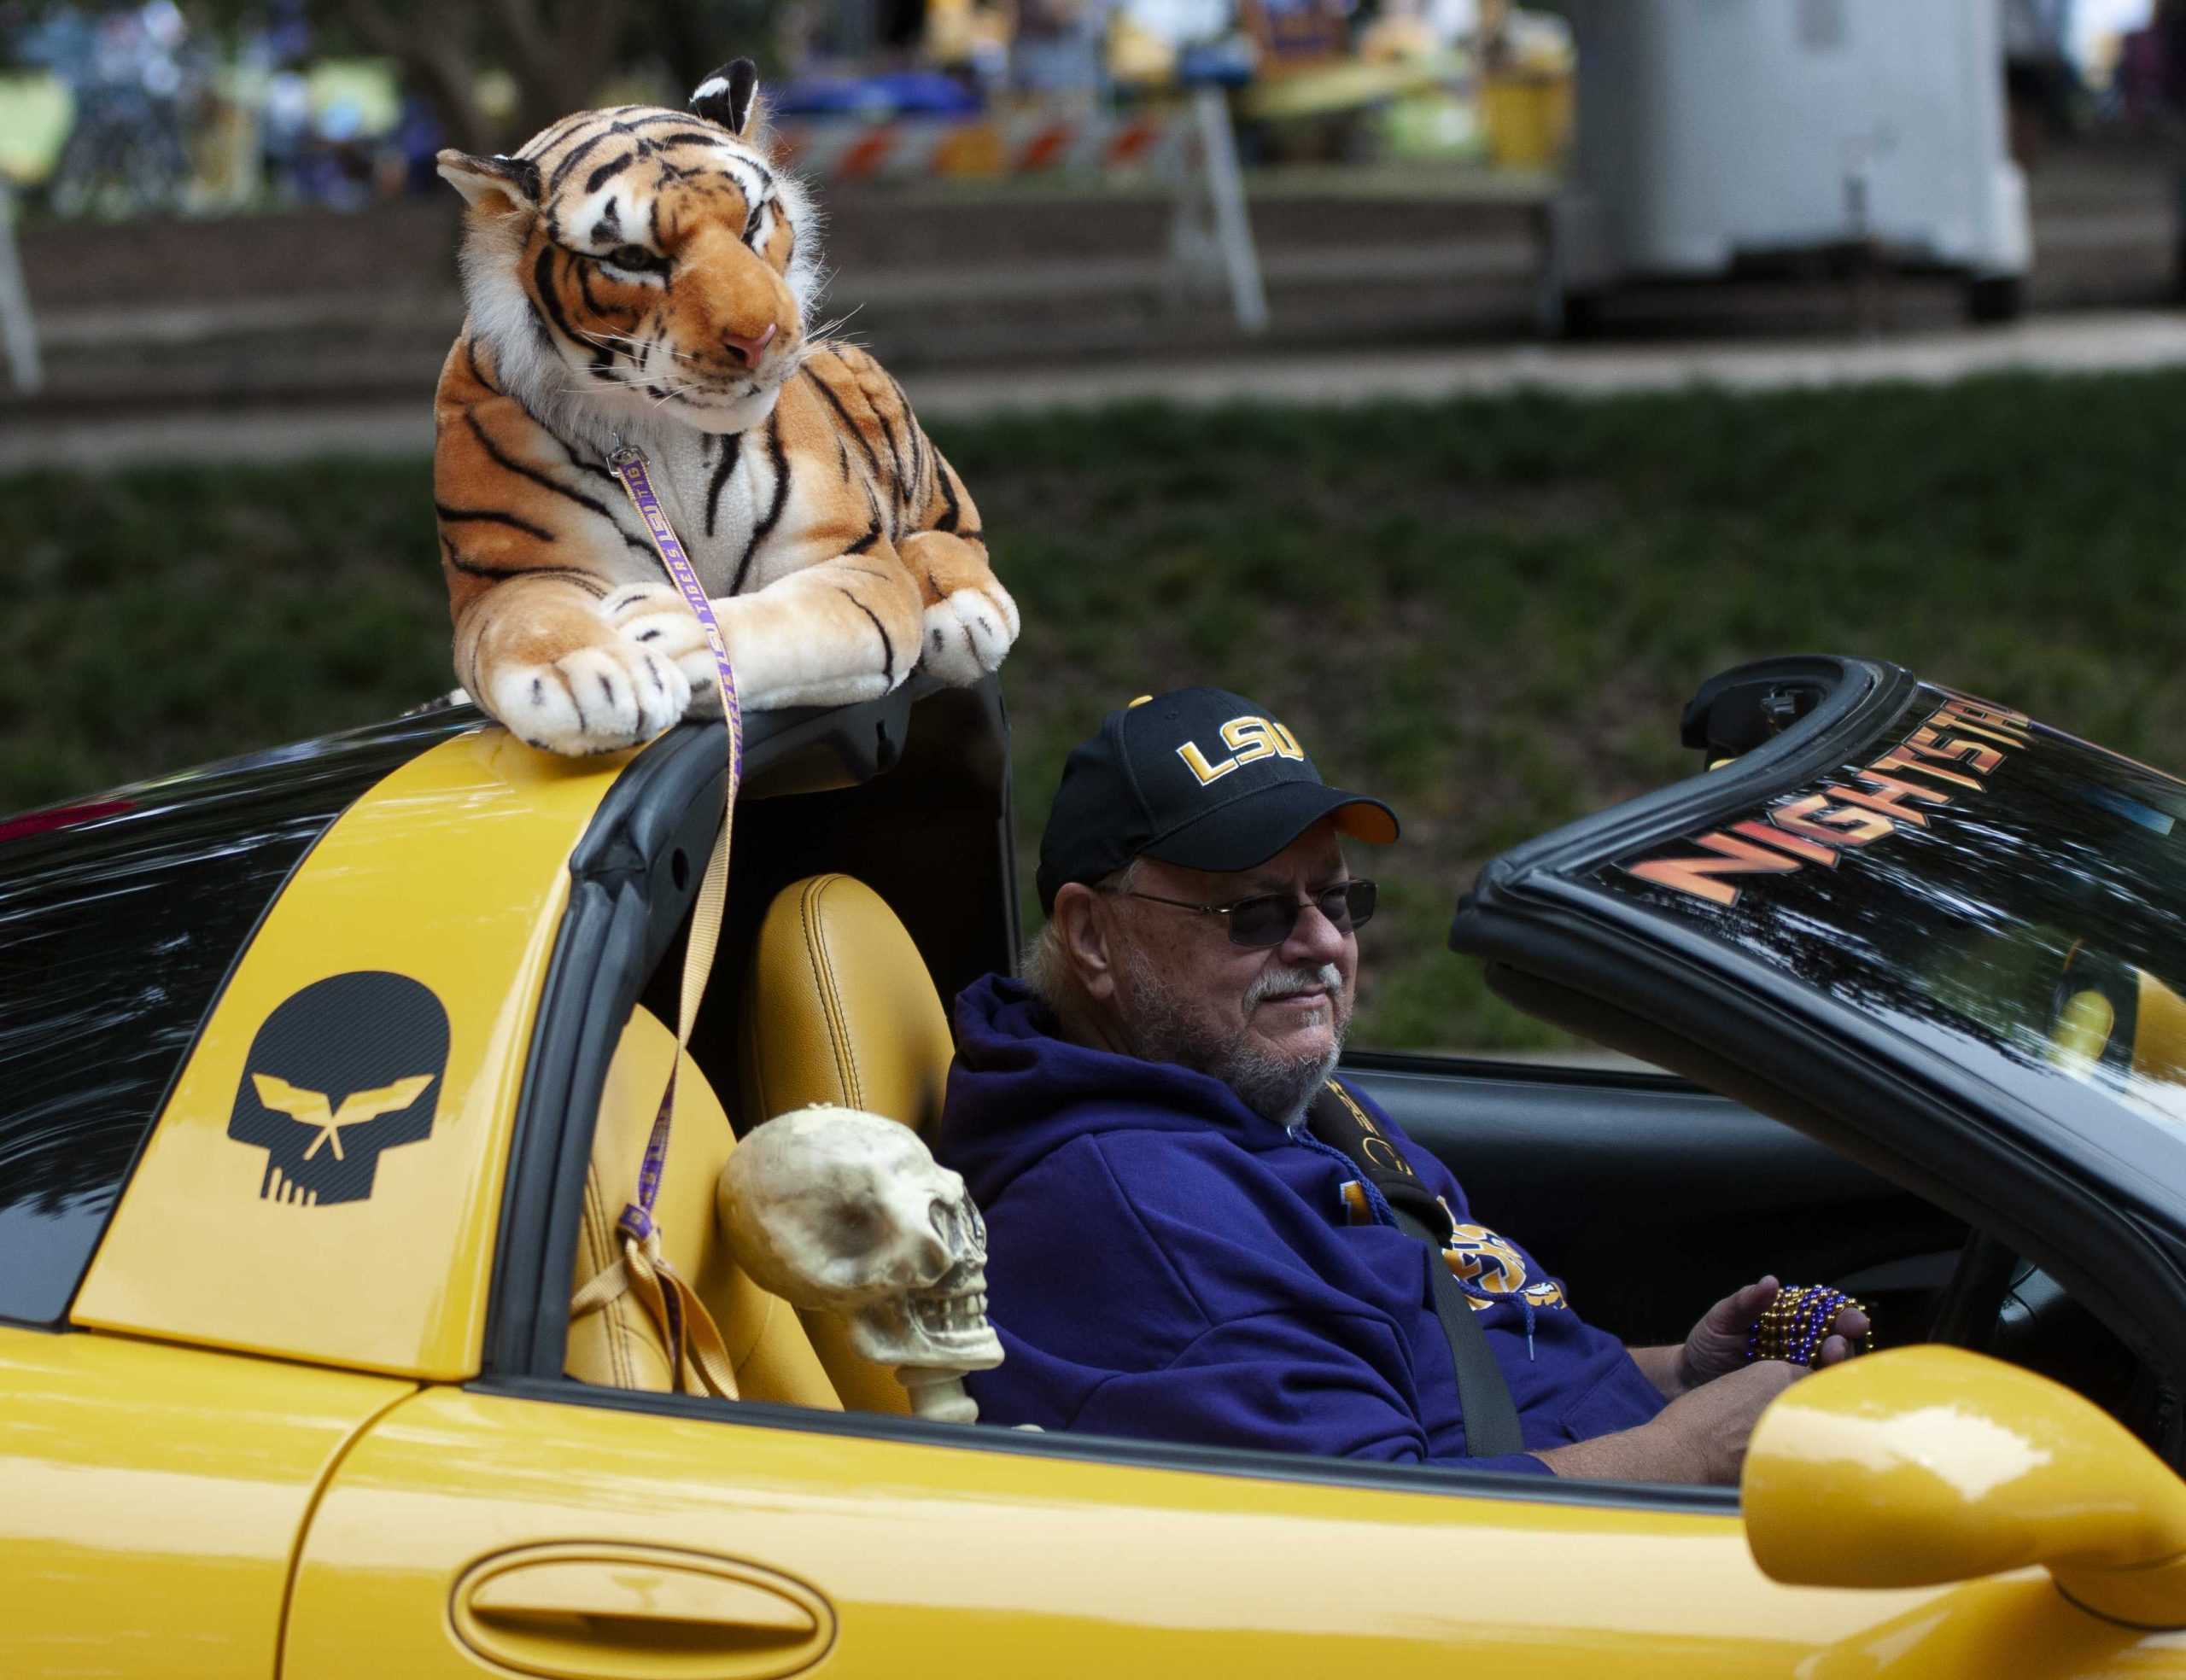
pixel 1017 143
pixel 1188 145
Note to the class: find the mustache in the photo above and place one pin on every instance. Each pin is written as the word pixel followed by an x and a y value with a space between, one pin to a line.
pixel 1269 981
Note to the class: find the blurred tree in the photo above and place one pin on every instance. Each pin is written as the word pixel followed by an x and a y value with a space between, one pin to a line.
pixel 559 51
pixel 692 39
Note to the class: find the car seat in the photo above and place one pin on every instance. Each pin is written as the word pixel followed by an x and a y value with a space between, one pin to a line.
pixel 618 1345
pixel 838 1007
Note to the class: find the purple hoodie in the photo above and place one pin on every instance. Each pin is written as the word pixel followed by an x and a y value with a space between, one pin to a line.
pixel 1164 1262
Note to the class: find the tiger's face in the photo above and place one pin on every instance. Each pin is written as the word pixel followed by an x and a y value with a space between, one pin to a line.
pixel 644 260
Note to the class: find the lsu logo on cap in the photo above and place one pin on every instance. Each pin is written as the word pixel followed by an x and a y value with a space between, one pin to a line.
pixel 346 1069
pixel 1249 740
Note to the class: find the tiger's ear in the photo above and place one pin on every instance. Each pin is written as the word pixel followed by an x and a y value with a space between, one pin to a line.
pixel 727 95
pixel 481 179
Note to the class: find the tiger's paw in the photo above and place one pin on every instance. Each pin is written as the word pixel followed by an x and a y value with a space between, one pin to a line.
pixel 656 617
pixel 597 699
pixel 843 690
pixel 969 632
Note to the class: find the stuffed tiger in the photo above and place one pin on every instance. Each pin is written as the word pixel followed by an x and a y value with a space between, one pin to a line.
pixel 647 277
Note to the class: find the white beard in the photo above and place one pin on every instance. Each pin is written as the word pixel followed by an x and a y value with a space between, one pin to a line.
pixel 1276 1087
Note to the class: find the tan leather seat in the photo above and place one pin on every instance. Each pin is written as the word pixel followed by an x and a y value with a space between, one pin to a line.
pixel 618 1345
pixel 838 1008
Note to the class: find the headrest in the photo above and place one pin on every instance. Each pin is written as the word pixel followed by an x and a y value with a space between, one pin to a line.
pixel 838 1008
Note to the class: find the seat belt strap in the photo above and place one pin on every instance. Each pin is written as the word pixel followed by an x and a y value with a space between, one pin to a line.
pixel 1484 1402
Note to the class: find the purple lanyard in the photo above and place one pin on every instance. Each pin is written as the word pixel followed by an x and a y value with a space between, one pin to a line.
pixel 629 465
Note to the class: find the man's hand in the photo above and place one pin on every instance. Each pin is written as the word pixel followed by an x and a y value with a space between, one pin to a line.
pixel 1717 1345
pixel 1699 1436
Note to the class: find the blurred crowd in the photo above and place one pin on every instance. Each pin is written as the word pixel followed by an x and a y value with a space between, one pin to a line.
pixel 214 105
pixel 126 109
pixel 206 106
pixel 141 108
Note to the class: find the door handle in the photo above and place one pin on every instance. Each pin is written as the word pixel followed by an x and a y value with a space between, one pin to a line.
pixel 631 1592
pixel 615 1612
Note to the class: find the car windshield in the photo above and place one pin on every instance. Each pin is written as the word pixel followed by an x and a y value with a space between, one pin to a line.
pixel 1998 889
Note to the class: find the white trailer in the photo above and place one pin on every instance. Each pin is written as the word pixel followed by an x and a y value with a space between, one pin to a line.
pixel 1714 134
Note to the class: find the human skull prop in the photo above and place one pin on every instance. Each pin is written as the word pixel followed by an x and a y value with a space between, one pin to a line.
pixel 838 1208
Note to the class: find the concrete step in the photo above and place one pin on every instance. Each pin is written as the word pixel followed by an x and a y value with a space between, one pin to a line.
pixel 408 246
pixel 348 346
pixel 877 286
pixel 316 306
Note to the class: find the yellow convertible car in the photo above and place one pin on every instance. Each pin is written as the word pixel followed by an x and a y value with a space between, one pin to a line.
pixel 323 1071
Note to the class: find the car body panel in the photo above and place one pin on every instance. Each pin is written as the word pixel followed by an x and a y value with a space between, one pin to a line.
pixel 1011 1562
pixel 2007 1628
pixel 403 1521
pixel 452 873
pixel 124 917
pixel 154 1499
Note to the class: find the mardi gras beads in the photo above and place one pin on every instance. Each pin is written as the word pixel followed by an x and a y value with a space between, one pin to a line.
pixel 1798 1321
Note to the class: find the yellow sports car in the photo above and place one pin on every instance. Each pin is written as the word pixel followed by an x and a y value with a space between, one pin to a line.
pixel 322 1073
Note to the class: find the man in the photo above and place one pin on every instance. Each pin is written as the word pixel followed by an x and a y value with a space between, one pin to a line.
pixel 1171 1254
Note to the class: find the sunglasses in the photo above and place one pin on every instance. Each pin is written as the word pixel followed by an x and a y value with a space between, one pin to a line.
pixel 1268 918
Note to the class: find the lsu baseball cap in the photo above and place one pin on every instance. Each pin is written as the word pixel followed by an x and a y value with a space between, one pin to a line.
pixel 1199 777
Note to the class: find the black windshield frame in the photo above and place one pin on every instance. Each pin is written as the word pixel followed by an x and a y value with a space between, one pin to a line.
pixel 2041 1164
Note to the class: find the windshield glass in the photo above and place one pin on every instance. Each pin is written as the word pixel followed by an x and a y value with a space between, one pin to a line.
pixel 2000 890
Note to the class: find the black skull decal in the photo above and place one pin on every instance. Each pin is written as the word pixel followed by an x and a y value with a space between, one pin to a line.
pixel 348 1067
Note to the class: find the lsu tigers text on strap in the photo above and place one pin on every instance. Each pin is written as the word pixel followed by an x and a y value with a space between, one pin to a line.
pixel 697 1358
pixel 1491 1418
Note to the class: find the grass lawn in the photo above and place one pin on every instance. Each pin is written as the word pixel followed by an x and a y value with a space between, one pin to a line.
pixel 1488 611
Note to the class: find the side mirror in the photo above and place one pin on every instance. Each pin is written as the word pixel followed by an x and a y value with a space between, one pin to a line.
pixel 1930 1464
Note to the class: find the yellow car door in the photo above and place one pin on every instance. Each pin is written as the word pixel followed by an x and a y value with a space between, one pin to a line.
pixel 595 1535
pixel 151 1498
pixel 570 1532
